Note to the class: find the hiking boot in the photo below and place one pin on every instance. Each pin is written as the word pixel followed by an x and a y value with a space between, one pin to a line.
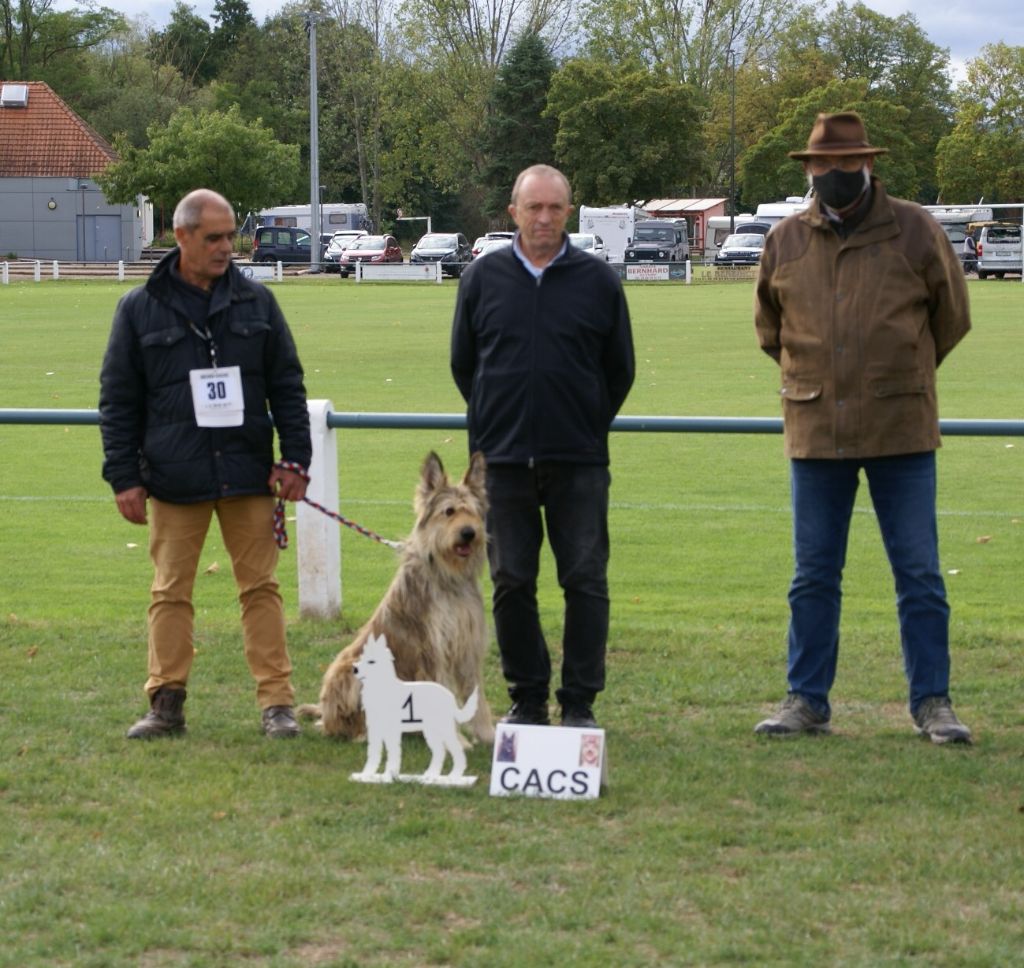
pixel 936 720
pixel 578 716
pixel 165 717
pixel 527 713
pixel 795 716
pixel 279 722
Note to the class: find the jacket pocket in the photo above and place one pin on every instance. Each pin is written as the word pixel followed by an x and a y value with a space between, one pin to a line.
pixel 899 384
pixel 248 327
pixel 800 391
pixel 163 337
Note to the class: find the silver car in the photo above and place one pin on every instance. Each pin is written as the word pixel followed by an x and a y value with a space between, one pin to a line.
pixel 589 242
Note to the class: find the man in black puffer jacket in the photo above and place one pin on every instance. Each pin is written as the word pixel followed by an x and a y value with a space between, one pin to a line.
pixel 196 358
pixel 542 351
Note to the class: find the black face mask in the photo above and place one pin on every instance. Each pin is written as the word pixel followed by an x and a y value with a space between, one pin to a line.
pixel 840 189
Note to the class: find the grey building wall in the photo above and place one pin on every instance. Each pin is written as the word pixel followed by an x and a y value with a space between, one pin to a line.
pixel 69 220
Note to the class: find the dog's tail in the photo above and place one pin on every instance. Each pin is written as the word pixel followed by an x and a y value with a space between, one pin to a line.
pixel 309 710
pixel 467 712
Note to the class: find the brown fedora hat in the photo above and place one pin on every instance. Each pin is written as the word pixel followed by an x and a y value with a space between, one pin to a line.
pixel 838 134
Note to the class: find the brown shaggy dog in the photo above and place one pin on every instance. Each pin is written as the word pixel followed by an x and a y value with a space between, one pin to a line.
pixel 433 613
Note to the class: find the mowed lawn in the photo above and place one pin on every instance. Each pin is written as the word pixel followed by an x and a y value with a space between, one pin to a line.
pixel 709 847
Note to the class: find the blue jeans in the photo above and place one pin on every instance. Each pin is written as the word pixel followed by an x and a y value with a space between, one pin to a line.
pixel 903 493
pixel 574 501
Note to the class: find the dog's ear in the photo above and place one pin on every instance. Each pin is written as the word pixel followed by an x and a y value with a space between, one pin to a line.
pixel 432 473
pixel 476 476
pixel 432 477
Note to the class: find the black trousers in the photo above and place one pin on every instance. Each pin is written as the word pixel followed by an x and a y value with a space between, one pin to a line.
pixel 571 501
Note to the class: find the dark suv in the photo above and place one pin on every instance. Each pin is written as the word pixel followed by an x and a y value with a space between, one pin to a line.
pixel 280 243
pixel 659 240
pixel 449 248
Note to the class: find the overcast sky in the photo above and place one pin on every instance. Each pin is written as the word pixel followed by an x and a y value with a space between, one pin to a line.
pixel 963 26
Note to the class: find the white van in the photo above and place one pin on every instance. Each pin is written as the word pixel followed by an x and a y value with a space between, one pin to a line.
pixel 999 251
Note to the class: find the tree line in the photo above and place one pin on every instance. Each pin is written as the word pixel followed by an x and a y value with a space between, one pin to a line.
pixel 432 106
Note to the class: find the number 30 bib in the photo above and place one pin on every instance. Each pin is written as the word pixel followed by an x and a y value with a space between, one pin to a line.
pixel 217 396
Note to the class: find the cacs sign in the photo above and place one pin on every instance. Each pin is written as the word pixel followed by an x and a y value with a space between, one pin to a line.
pixel 548 761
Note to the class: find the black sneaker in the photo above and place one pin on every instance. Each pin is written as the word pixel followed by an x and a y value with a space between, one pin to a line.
pixel 279 722
pixel 578 716
pixel 526 713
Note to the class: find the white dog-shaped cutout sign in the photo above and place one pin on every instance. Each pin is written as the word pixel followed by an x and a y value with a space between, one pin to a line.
pixel 394 707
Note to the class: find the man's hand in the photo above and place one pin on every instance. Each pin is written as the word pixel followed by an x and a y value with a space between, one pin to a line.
pixel 132 504
pixel 287 484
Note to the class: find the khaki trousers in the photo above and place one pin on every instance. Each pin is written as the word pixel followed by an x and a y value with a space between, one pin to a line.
pixel 176 536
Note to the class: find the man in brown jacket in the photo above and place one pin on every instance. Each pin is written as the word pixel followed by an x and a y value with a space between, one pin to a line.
pixel 859 298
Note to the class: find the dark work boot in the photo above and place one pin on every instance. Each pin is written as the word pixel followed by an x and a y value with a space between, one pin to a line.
pixel 165 717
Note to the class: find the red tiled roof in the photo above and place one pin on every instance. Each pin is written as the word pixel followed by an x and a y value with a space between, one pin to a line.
pixel 47 139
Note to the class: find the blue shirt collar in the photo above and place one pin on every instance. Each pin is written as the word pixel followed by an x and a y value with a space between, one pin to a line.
pixel 530 267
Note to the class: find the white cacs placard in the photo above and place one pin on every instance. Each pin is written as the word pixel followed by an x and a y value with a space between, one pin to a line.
pixel 548 761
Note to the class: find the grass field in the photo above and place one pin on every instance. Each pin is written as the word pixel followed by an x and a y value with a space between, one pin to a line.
pixel 710 846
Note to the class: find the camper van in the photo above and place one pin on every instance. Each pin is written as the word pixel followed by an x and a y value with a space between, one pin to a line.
pixel 334 217
pixel 616 225
pixel 773 212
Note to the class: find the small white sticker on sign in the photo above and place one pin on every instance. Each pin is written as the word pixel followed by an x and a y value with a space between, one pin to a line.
pixel 556 762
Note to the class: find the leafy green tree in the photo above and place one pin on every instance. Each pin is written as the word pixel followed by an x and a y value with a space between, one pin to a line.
pixel 893 58
pixel 517 133
pixel 480 31
pixel 687 39
pixel 217 150
pixel 983 156
pixel 40 43
pixel 624 133
pixel 769 174
pixel 186 44
pixel 266 76
pixel 234 21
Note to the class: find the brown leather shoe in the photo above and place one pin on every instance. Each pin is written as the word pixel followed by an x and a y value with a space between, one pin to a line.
pixel 165 717
pixel 279 722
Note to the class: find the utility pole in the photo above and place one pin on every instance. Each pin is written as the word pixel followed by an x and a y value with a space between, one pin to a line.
pixel 732 147
pixel 314 148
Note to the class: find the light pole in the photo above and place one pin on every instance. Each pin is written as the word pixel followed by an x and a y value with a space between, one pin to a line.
pixel 732 146
pixel 314 149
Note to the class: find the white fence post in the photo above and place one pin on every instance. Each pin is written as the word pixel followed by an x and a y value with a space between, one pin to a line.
pixel 37 273
pixel 120 270
pixel 6 277
pixel 319 537
pixel 56 269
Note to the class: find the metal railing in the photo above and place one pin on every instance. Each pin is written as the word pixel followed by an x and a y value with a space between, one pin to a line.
pixel 457 421
pixel 319 547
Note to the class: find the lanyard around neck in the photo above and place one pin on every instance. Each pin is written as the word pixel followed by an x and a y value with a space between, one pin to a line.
pixel 207 338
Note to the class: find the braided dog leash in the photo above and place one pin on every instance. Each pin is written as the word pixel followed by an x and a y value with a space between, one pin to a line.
pixel 281 533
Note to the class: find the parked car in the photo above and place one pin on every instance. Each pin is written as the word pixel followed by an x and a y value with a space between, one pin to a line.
pixel 375 249
pixel 281 243
pixel 999 251
pixel 588 242
pixel 659 240
pixel 740 249
pixel 449 248
pixel 490 235
pixel 340 241
pixel 492 245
